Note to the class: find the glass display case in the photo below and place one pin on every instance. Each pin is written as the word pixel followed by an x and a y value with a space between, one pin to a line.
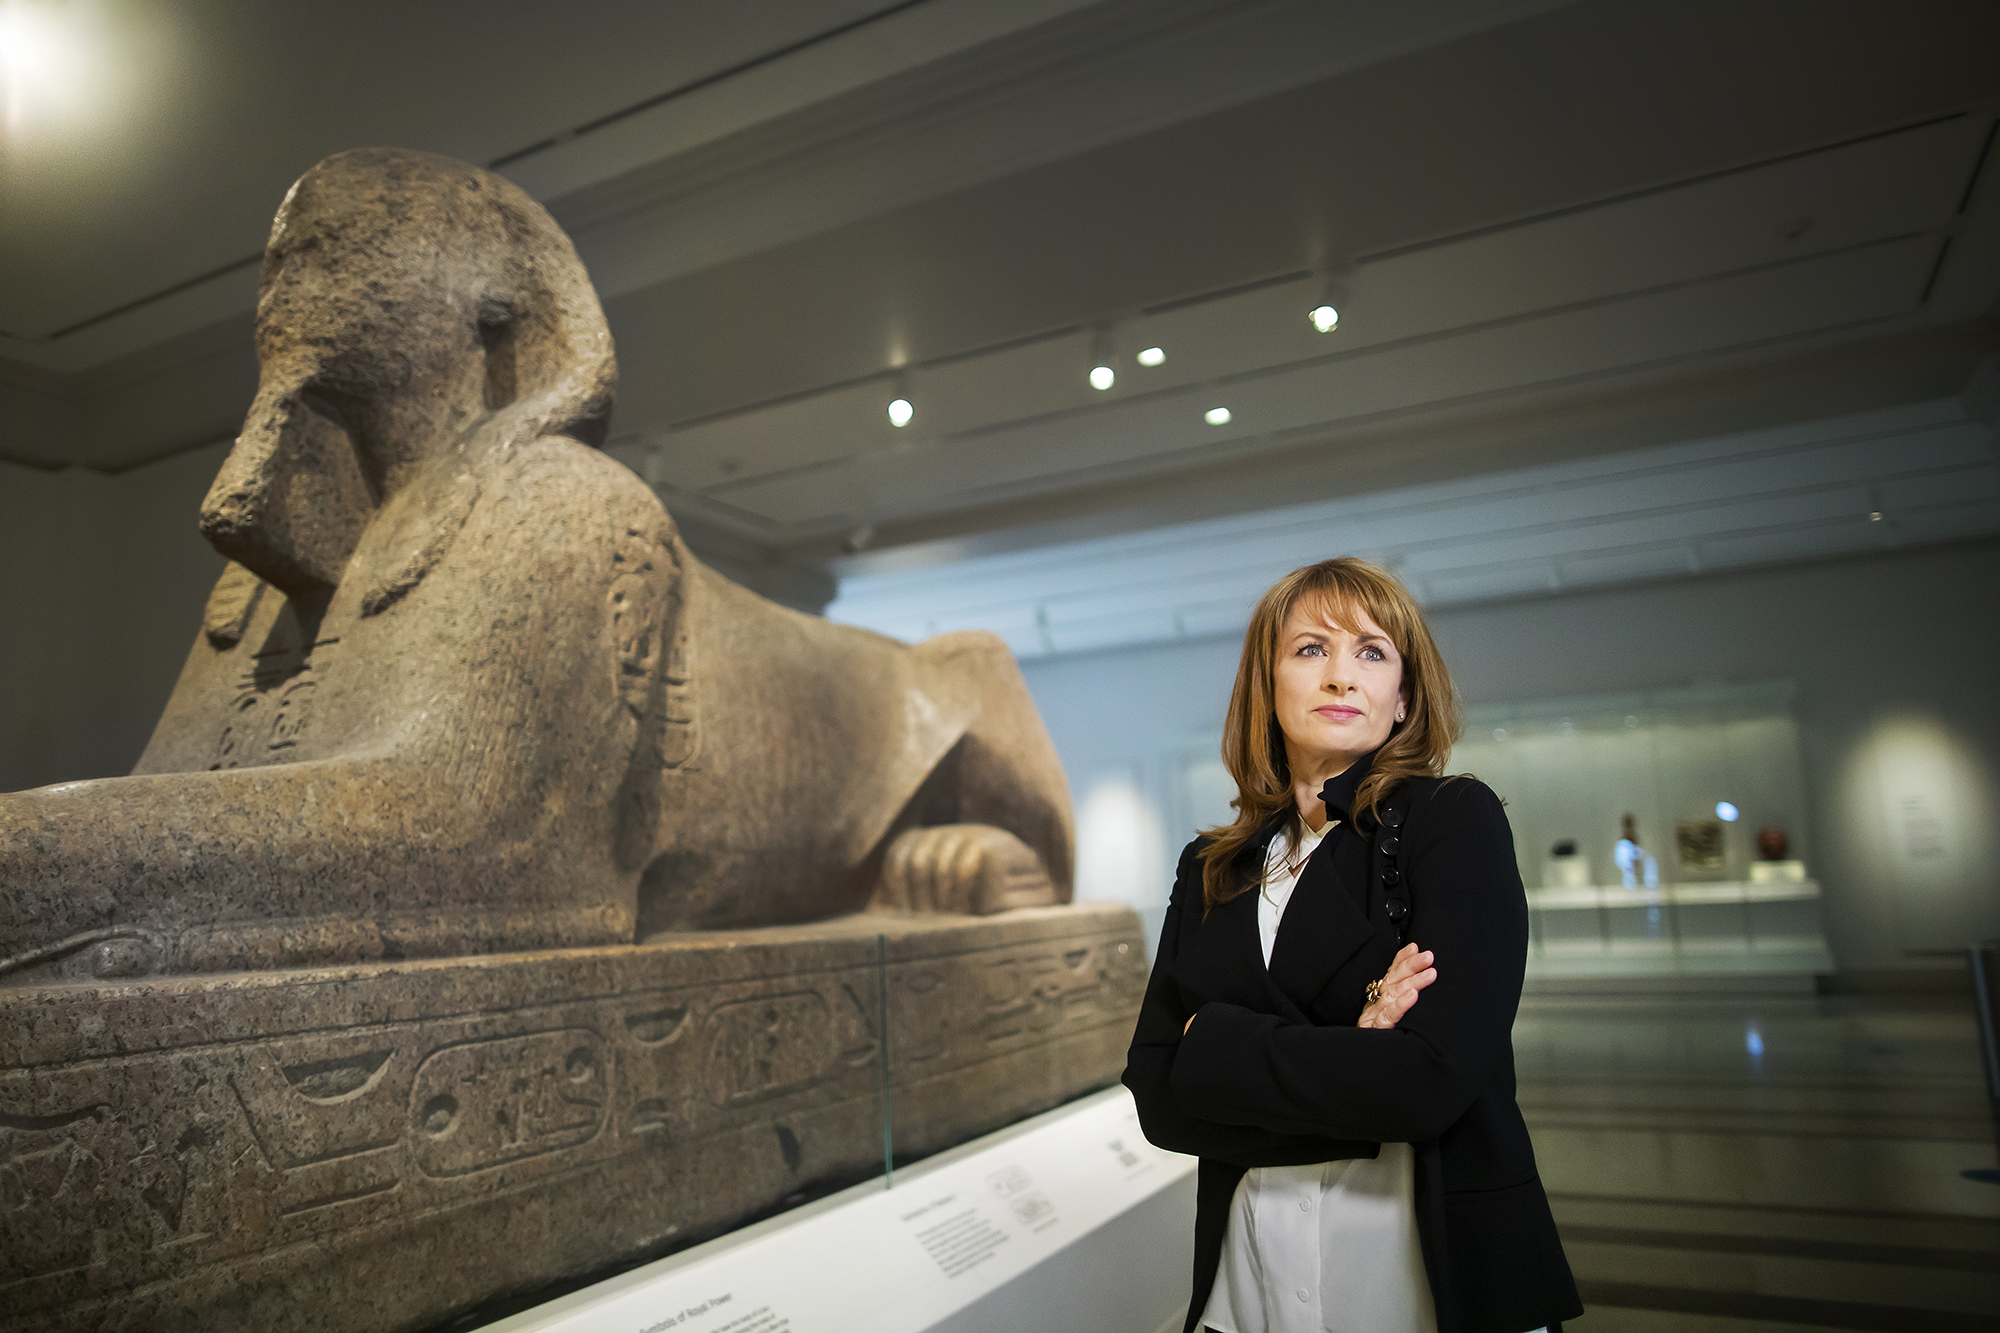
pixel 1661 832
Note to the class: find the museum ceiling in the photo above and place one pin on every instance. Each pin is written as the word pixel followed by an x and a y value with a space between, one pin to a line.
pixel 1555 232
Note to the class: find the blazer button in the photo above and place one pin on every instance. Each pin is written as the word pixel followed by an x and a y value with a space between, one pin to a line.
pixel 1389 845
pixel 1393 818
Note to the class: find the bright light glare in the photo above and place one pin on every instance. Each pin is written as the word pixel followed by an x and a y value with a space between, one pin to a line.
pixel 22 49
pixel 1152 356
pixel 1118 836
pixel 43 80
pixel 1325 318
pixel 900 413
pixel 1216 416
pixel 1726 812
pixel 1102 377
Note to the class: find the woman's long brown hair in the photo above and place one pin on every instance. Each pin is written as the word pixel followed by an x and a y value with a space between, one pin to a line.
pixel 1253 747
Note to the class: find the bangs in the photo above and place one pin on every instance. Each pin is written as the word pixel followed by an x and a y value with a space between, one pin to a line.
pixel 1347 603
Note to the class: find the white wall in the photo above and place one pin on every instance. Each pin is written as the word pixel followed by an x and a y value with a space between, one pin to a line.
pixel 102 583
pixel 1895 657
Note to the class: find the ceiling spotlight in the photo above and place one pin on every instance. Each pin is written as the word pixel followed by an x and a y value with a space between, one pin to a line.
pixel 900 413
pixel 1726 812
pixel 1216 416
pixel 1332 293
pixel 1152 356
pixel 1102 354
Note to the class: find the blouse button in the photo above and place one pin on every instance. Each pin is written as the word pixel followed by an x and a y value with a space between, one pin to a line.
pixel 1301 1294
pixel 1305 1205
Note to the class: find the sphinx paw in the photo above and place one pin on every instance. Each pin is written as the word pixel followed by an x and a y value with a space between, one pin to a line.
pixel 968 869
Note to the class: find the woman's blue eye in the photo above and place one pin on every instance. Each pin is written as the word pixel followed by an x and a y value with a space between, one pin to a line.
pixel 1312 648
pixel 1376 653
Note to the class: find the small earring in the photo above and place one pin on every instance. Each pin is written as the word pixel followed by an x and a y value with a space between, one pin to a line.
pixel 1399 715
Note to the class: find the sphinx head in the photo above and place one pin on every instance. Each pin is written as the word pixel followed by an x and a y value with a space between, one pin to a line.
pixel 411 308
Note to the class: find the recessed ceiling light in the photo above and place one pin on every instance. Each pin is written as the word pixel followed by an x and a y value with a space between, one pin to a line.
pixel 1726 812
pixel 1152 356
pixel 900 413
pixel 1102 377
pixel 1325 318
pixel 1216 416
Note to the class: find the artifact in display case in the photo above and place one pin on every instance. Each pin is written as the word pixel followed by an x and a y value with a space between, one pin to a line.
pixel 1564 868
pixel 503 893
pixel 1635 864
pixel 1772 865
pixel 1698 848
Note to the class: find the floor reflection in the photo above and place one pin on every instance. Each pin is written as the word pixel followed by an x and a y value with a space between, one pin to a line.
pixel 1765 1159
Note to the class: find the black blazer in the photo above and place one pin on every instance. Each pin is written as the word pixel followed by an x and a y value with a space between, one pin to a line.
pixel 1274 1073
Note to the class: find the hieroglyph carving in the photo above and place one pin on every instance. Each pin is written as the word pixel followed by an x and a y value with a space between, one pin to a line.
pixel 180 1160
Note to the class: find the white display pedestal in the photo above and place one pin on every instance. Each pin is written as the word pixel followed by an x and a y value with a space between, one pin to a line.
pixel 1069 1221
pixel 1767 924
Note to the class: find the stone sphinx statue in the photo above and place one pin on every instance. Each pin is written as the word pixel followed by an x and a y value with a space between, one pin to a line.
pixel 503 894
pixel 463 689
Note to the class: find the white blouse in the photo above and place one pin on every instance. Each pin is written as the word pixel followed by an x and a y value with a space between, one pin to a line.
pixel 1326 1248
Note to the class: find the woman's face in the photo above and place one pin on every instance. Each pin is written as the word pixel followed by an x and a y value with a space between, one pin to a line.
pixel 1338 690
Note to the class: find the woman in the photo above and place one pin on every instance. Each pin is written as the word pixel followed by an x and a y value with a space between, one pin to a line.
pixel 1350 1093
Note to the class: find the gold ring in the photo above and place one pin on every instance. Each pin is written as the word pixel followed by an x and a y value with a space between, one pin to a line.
pixel 1374 991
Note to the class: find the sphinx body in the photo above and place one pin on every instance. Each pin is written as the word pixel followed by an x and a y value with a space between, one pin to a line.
pixel 463 688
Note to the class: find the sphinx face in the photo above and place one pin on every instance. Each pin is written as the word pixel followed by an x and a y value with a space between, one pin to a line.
pixel 411 307
pixel 293 497
pixel 379 349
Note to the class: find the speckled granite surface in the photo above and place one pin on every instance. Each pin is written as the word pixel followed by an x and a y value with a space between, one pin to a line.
pixel 378 1145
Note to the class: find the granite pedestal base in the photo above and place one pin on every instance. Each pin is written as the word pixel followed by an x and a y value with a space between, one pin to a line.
pixel 379 1146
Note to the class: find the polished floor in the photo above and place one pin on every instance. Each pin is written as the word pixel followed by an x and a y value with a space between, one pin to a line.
pixel 1760 1159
